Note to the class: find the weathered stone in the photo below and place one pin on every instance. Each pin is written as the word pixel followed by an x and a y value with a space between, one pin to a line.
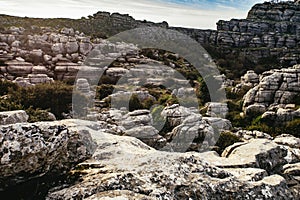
pixel 275 86
pixel 85 48
pixel 257 153
pixel 13 117
pixel 125 164
pixel 30 150
pixel 215 109
pixel 218 123
pixel 248 135
pixel 72 47
pixel 19 68
pixel 148 134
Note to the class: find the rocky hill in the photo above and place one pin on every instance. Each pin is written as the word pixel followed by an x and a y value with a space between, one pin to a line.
pixel 270 30
pixel 141 134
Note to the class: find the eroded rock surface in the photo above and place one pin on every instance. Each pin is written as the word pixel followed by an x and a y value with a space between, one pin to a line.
pixel 33 150
pixel 124 165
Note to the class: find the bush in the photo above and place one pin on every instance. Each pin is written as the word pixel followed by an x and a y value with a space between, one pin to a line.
pixel 293 128
pixel 135 103
pixel 37 115
pixel 104 90
pixel 5 86
pixel 167 99
pixel 8 105
pixel 57 97
pixel 226 139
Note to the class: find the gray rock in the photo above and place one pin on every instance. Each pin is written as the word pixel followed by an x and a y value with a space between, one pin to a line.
pixel 276 86
pixel 148 134
pixel 218 123
pixel 248 135
pixel 13 117
pixel 215 109
pixel 123 166
pixel 85 48
pixel 32 150
pixel 18 68
pixel 72 47
pixel 260 153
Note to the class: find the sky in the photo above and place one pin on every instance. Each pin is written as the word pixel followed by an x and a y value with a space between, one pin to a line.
pixel 184 13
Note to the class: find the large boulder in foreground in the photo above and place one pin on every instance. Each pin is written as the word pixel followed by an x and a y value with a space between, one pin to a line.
pixel 125 168
pixel 32 150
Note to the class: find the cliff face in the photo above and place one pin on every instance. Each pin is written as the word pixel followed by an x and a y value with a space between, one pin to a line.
pixel 269 30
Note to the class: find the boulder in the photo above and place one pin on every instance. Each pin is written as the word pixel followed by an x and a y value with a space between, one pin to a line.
pixel 85 48
pixel 72 47
pixel 19 68
pixel 33 150
pixel 13 117
pixel 193 134
pixel 248 135
pixel 278 86
pixel 148 134
pixel 260 153
pixel 218 123
pixel 215 109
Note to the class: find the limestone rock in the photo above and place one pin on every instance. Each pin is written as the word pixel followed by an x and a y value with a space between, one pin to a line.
pixel 18 68
pixel 72 47
pixel 85 48
pixel 215 109
pixel 275 87
pixel 218 123
pixel 13 117
pixel 260 153
pixel 31 150
pixel 148 134
pixel 248 135
pixel 123 166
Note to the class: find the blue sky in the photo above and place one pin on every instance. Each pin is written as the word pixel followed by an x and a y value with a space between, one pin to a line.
pixel 187 13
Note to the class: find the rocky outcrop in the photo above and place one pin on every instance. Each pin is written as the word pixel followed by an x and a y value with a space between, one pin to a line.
pixel 29 151
pixel 32 80
pixel 123 166
pixel 270 30
pixel 216 109
pixel 276 89
pixel 13 117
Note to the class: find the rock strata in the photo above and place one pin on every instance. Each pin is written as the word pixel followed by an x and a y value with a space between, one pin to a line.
pixel 276 89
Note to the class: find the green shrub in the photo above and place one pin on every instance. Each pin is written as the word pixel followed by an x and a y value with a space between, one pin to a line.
pixel 293 128
pixel 135 103
pixel 167 99
pixel 104 91
pixel 5 86
pixel 37 115
pixel 226 139
pixel 8 105
pixel 57 97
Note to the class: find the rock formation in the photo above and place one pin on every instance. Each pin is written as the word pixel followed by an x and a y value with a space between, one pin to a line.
pixel 13 117
pixel 29 151
pixel 276 92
